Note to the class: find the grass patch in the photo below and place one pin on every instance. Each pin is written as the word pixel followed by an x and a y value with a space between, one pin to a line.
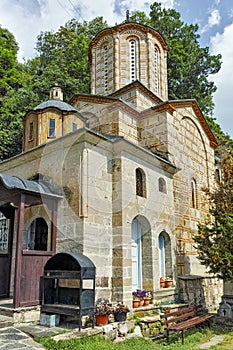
pixel 193 338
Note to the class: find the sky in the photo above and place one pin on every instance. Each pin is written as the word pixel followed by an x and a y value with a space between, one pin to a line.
pixel 26 19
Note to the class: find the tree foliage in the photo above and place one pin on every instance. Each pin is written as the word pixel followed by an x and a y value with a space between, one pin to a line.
pixel 13 82
pixel 63 58
pixel 214 240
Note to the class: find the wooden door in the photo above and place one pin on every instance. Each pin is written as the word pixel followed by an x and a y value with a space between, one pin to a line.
pixel 32 270
pixel 136 255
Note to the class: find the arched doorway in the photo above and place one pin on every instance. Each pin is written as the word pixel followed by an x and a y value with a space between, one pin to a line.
pixel 142 275
pixel 165 258
pixel 136 255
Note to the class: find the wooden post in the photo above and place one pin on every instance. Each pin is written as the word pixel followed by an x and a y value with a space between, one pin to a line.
pixel 18 258
pixel 54 227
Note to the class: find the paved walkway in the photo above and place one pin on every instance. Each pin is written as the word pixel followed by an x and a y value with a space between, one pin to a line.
pixel 213 341
pixel 21 336
pixel 12 338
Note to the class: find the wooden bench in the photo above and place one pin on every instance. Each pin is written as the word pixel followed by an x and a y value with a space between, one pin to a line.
pixel 184 318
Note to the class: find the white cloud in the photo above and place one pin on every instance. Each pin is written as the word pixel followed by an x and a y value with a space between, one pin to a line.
pixel 213 20
pixel 27 18
pixel 222 43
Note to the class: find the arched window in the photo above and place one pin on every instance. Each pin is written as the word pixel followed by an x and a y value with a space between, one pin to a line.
pixel 133 76
pixel 140 183
pixel 105 68
pixel 193 194
pixel 162 185
pixel 156 68
pixel 37 235
pixel 165 260
pixel 217 173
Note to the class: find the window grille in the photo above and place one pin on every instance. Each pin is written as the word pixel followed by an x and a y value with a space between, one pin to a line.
pixel 4 234
pixel 132 60
pixel 105 68
pixel 156 68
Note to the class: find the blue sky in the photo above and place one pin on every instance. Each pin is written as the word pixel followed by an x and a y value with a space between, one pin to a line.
pixel 27 18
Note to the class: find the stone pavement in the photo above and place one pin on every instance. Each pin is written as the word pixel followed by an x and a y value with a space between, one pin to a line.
pixel 21 336
pixel 213 341
pixel 12 338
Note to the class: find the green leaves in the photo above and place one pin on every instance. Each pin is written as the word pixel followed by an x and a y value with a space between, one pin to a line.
pixel 214 240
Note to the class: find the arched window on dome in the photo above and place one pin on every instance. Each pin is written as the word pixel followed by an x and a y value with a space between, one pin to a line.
pixel 105 68
pixel 193 193
pixel 51 127
pixel 133 73
pixel 31 131
pixel 156 56
pixel 140 183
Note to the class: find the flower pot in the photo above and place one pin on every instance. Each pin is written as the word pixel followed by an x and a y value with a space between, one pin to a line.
pixel 120 317
pixel 168 283
pixel 162 282
pixel 141 302
pixel 146 301
pixel 101 320
pixel 136 303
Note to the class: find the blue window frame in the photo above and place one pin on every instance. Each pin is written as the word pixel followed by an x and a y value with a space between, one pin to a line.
pixel 51 127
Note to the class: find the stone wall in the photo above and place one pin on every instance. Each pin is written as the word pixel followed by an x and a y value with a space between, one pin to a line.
pixel 200 290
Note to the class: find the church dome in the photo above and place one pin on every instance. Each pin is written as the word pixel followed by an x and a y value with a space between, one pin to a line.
pixel 63 106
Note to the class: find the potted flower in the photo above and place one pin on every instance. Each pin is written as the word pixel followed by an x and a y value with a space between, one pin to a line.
pixel 120 312
pixel 139 295
pixel 148 298
pixel 102 311
pixel 168 282
pixel 162 282
pixel 136 299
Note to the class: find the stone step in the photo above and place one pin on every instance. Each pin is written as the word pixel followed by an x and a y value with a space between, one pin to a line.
pixel 6 321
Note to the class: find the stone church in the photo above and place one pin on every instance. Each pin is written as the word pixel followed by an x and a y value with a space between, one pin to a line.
pixel 116 175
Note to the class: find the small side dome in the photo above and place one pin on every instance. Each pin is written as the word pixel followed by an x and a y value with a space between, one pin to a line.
pixel 55 104
pixel 56 101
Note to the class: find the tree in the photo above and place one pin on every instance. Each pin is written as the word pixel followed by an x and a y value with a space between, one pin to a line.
pixel 13 80
pixel 214 240
pixel 189 65
pixel 63 58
